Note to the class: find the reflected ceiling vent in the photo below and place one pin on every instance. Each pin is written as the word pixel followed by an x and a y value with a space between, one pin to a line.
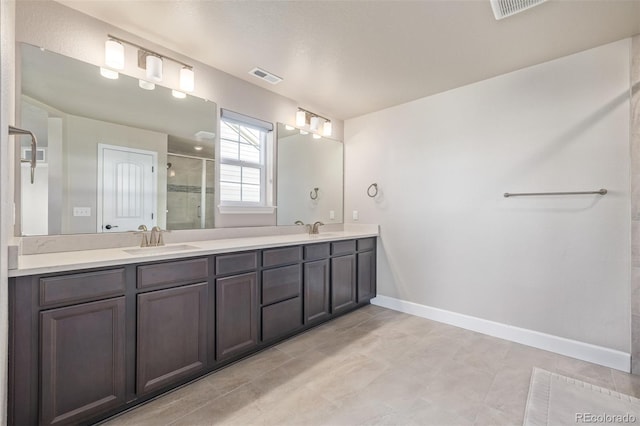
pixel 505 8
pixel 265 75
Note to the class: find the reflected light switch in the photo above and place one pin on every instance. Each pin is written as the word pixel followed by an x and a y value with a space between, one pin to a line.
pixel 355 215
pixel 332 214
pixel 81 211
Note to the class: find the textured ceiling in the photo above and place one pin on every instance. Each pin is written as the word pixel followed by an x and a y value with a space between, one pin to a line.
pixel 353 57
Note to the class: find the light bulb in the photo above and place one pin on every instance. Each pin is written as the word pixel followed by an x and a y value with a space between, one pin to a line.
pixel 301 118
pixel 326 129
pixel 187 79
pixel 288 127
pixel 178 94
pixel 146 85
pixel 114 54
pixel 154 68
pixel 316 136
pixel 314 123
pixel 110 74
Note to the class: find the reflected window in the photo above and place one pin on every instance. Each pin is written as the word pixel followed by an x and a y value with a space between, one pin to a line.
pixel 243 168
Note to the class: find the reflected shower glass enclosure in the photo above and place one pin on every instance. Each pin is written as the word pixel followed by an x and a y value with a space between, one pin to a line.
pixel 190 192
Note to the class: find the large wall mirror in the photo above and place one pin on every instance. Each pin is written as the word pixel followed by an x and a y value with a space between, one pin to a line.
pixel 310 178
pixel 111 155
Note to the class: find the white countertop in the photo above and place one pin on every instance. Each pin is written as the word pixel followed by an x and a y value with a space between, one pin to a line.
pixel 74 260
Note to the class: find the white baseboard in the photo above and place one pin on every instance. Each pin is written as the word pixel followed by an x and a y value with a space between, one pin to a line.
pixel 585 351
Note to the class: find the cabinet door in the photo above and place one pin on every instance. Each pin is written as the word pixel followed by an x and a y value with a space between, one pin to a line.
pixel 366 276
pixel 82 362
pixel 316 290
pixel 343 283
pixel 172 336
pixel 236 314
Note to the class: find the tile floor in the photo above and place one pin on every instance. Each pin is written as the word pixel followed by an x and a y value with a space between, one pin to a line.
pixel 373 367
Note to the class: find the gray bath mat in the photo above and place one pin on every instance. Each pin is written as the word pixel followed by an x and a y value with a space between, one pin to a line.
pixel 559 400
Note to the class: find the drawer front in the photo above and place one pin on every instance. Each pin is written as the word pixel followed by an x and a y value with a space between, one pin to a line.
pixel 317 251
pixel 366 244
pixel 281 256
pixel 281 318
pixel 234 263
pixel 343 247
pixel 81 287
pixel 281 283
pixel 178 272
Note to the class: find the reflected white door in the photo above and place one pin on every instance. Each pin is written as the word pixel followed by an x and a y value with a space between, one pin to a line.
pixel 127 193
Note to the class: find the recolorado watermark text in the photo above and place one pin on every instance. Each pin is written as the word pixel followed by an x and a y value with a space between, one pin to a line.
pixel 605 418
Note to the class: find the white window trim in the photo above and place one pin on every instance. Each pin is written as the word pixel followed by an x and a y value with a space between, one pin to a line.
pixel 266 192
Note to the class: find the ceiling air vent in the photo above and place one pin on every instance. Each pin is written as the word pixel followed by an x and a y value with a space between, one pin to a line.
pixel 504 8
pixel 265 75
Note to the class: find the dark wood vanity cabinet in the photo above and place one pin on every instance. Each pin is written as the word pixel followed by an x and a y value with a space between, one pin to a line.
pixel 83 361
pixel 87 345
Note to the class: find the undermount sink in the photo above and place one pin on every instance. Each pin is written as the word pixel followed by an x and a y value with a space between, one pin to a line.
pixel 160 249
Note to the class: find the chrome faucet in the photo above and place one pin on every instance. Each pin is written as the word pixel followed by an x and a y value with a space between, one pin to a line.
pixel 308 227
pixel 156 236
pixel 143 229
pixel 315 229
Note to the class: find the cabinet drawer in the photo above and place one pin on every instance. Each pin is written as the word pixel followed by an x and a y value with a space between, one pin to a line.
pixel 234 263
pixel 281 256
pixel 281 318
pixel 281 283
pixel 343 247
pixel 81 287
pixel 366 244
pixel 178 272
pixel 316 251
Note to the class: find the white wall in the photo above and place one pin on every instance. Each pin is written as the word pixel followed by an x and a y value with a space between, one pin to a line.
pixel 450 240
pixel 63 30
pixel 7 111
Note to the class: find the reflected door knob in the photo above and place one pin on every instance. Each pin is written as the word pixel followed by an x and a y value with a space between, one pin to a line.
pixel 111 226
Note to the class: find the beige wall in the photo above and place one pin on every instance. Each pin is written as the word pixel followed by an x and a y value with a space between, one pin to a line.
pixel 66 31
pixel 635 204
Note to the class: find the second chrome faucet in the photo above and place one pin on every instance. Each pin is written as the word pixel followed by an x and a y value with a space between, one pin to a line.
pixel 311 229
pixel 155 238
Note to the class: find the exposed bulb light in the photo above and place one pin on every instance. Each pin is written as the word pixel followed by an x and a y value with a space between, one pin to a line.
pixel 316 136
pixel 326 129
pixel 197 148
pixel 288 127
pixel 172 173
pixel 303 132
pixel 146 85
pixel 187 79
pixel 114 54
pixel 301 118
pixel 154 68
pixel 178 94
pixel 110 74
pixel 314 123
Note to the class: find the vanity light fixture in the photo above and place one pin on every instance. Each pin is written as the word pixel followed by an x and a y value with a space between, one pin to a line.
pixel 197 148
pixel 301 117
pixel 146 85
pixel 154 67
pixel 110 74
pixel 114 54
pixel 178 94
pixel 326 129
pixel 148 60
pixel 186 79
pixel 315 122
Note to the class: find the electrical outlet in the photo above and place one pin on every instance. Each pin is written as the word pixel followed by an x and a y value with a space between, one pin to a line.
pixel 81 211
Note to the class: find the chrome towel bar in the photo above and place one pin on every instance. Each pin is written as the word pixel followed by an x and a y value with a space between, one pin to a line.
pixel 32 160
pixel 528 194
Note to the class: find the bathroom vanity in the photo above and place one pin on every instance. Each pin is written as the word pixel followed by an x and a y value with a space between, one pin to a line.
pixel 92 338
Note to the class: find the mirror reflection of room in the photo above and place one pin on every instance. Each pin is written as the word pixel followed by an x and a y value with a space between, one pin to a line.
pixel 103 147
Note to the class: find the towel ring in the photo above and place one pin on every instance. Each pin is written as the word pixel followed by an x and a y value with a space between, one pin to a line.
pixel 314 194
pixel 375 190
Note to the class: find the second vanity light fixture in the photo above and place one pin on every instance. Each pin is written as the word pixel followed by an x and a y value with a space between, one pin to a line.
pixel 315 121
pixel 147 59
